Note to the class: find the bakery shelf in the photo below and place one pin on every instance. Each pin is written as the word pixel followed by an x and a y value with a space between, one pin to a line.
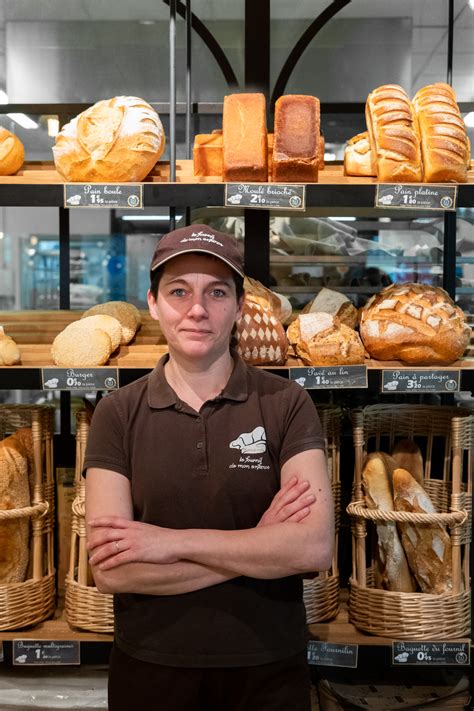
pixel 38 184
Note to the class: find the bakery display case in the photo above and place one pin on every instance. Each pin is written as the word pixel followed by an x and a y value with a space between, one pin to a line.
pixel 341 241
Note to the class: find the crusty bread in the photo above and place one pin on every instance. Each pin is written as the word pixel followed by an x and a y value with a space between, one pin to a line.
pixel 335 303
pixel 444 142
pixel 117 139
pixel 414 323
pixel 393 566
pixel 407 455
pixel 126 314
pixel 277 303
pixel 427 546
pixel 14 494
pixel 321 339
pixel 296 142
pixel 261 339
pixel 394 140
pixel 358 158
pixel 12 152
pixel 9 351
pixel 244 131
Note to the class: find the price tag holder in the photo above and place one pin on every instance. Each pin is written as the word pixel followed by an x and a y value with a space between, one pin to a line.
pixel 420 381
pixel 330 377
pixel 431 654
pixel 41 652
pixel 413 196
pixel 97 195
pixel 265 196
pixel 326 654
pixel 80 378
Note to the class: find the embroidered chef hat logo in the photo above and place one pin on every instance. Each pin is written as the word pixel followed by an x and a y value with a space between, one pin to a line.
pixel 254 442
pixel 198 238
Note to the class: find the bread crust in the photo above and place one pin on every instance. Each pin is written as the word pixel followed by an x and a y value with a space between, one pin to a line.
pixel 407 455
pixel 261 339
pixel 296 143
pixel 244 130
pixel 321 339
pixel 12 152
pixel 358 159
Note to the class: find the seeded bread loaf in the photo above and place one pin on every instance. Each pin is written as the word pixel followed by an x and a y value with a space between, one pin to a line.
pixel 321 339
pixel 414 323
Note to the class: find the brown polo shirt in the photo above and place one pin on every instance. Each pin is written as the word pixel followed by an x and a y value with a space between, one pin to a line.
pixel 219 468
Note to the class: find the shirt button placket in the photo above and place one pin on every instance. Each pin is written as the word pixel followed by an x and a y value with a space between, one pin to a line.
pixel 201 447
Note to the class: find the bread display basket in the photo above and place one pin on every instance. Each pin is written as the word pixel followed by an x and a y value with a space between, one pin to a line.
pixel 86 607
pixel 32 599
pixel 445 436
pixel 321 593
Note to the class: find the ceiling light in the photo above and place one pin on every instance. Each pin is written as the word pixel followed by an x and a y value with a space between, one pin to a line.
pixel 155 218
pixel 23 120
pixel 469 118
pixel 471 4
pixel 3 97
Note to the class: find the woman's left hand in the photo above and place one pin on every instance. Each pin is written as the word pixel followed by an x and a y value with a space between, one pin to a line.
pixel 113 541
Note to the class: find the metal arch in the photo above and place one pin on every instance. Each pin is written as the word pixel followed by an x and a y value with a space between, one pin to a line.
pixel 301 45
pixel 212 44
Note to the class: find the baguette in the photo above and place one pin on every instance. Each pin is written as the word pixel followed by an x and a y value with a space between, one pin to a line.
pixel 296 142
pixel 407 455
pixel 444 142
pixel 393 566
pixel 427 546
pixel 244 131
pixel 394 139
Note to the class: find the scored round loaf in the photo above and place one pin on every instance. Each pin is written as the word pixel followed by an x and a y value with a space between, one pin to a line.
pixel 415 323
pixel 261 339
pixel 126 314
pixel 70 351
pixel 320 338
pixel 12 152
pixel 117 139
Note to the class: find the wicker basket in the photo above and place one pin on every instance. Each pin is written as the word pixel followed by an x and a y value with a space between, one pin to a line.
pixel 86 607
pixel 321 593
pixel 446 435
pixel 29 602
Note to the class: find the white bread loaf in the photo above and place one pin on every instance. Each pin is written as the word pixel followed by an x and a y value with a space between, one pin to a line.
pixel 414 323
pixel 444 143
pixel 334 303
pixel 427 546
pixel 9 351
pixel 358 159
pixel 394 139
pixel 14 494
pixel 393 566
pixel 321 339
pixel 261 339
pixel 117 139
pixel 407 455
pixel 12 152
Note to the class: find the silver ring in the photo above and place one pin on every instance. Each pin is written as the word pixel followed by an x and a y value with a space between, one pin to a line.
pixel 117 546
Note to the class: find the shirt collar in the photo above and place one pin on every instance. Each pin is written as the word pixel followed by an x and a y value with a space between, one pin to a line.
pixel 162 395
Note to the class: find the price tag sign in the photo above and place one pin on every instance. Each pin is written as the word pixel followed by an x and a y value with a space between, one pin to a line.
pixel 420 381
pixel 28 652
pixel 123 196
pixel 266 196
pixel 330 377
pixel 416 197
pixel 431 654
pixel 80 378
pixel 332 655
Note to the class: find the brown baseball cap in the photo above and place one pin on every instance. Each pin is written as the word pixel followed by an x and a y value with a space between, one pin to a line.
pixel 198 238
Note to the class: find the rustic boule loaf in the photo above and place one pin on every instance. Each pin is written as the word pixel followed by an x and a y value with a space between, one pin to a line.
pixel 12 152
pixel 261 339
pixel 321 339
pixel 414 323
pixel 126 314
pixel 117 139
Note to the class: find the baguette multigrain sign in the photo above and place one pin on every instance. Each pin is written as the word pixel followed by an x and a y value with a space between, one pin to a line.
pixel 28 652
pixel 97 195
pixel 420 381
pixel 330 377
pixel 416 197
pixel 431 653
pixel 332 655
pixel 265 196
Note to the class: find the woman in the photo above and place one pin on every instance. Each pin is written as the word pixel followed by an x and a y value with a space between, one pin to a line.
pixel 207 496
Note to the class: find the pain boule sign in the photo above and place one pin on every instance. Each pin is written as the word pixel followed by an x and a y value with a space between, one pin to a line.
pixel 274 196
pixel 97 195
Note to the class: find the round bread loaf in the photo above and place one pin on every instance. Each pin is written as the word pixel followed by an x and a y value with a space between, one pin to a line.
pixel 126 314
pixel 12 152
pixel 9 351
pixel 261 339
pixel 117 139
pixel 69 350
pixel 321 339
pixel 103 322
pixel 414 323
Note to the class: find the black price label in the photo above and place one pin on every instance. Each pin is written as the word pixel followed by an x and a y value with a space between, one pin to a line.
pixel 417 197
pixel 80 378
pixel 332 655
pixel 330 377
pixel 420 381
pixel 27 652
pixel 431 653
pixel 123 196
pixel 265 196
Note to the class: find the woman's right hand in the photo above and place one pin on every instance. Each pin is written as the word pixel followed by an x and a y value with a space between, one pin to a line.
pixel 292 503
